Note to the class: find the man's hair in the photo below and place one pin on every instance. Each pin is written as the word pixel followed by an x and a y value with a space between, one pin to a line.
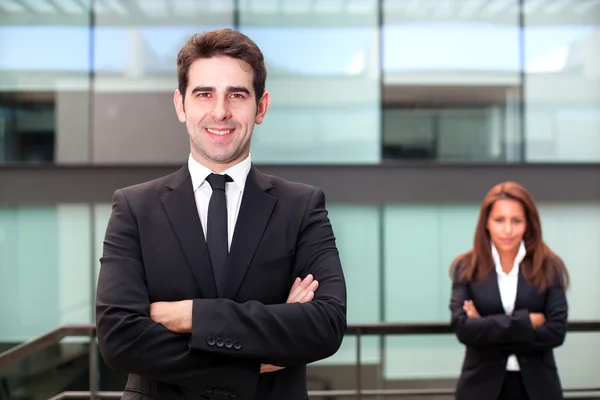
pixel 222 43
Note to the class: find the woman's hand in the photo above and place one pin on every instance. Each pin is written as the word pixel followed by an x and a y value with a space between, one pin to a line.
pixel 537 319
pixel 470 309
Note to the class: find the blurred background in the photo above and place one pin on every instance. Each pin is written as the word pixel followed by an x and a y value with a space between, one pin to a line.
pixel 406 112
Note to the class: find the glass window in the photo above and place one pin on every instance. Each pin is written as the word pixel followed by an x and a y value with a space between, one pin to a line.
pixel 351 83
pixel 324 78
pixel 45 269
pixel 358 230
pixel 451 74
pixel 44 82
pixel 562 82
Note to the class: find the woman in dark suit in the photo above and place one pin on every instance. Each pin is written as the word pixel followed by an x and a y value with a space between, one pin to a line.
pixel 508 303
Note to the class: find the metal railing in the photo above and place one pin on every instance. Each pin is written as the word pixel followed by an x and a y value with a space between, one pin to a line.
pixel 33 346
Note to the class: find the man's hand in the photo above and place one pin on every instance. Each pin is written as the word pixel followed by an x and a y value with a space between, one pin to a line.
pixel 266 368
pixel 176 316
pixel 302 291
pixel 470 309
pixel 537 319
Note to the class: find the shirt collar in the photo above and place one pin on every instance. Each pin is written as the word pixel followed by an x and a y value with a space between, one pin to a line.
pixel 520 256
pixel 239 172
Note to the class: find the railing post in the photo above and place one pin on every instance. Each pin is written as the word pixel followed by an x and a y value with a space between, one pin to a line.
pixel 358 364
pixel 93 368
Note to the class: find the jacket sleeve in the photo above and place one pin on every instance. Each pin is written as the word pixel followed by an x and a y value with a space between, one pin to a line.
pixel 553 332
pixel 284 334
pixel 488 330
pixel 130 341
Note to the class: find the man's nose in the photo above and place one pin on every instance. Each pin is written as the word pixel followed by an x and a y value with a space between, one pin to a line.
pixel 221 110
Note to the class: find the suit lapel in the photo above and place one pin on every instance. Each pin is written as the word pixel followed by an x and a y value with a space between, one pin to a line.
pixel 523 291
pixel 493 290
pixel 181 209
pixel 255 212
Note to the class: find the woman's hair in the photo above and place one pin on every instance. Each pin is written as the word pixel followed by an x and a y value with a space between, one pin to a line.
pixel 541 266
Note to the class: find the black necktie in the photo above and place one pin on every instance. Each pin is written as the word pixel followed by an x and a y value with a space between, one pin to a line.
pixel 216 231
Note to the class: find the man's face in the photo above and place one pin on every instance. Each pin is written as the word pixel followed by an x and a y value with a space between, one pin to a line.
pixel 220 111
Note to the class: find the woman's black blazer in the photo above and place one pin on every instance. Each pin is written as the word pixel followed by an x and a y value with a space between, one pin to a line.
pixel 489 340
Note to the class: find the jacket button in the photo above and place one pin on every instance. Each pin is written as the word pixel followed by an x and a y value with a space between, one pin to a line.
pixel 220 342
pixel 237 345
pixel 209 390
pixel 210 340
pixel 225 392
pixel 233 395
pixel 228 343
pixel 217 391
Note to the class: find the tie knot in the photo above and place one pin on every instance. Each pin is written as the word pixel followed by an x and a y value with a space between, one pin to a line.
pixel 217 182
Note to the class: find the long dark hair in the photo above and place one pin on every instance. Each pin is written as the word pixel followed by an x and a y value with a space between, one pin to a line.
pixel 541 265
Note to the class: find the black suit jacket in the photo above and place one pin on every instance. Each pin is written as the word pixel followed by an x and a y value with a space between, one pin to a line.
pixel 154 250
pixel 493 337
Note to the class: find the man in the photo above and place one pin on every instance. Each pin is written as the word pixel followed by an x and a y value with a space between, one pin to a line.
pixel 238 314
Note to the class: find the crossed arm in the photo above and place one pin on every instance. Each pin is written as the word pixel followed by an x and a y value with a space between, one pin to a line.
pixel 176 316
pixel 521 332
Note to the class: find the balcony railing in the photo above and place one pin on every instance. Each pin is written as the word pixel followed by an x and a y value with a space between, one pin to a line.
pixel 33 346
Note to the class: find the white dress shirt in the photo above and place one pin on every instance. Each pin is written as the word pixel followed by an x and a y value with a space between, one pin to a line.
pixel 507 283
pixel 233 191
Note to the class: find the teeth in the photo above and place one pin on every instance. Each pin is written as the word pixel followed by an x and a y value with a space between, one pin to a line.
pixel 220 133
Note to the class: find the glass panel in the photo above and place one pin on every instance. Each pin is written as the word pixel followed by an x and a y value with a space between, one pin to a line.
pixel 323 75
pixel 451 75
pixel 357 230
pixel 577 360
pixel 102 213
pixel 45 264
pixel 44 81
pixel 571 230
pixel 451 80
pixel 562 83
pixel 420 243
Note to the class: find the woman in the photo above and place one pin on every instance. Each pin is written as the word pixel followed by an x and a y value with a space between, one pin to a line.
pixel 508 303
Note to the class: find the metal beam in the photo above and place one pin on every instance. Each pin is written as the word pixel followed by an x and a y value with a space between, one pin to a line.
pixel 388 183
pixel 33 346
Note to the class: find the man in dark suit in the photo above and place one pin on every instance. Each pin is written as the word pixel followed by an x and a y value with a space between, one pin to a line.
pixel 209 276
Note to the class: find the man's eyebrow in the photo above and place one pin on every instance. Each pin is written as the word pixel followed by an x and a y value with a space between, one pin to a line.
pixel 237 89
pixel 230 89
pixel 203 89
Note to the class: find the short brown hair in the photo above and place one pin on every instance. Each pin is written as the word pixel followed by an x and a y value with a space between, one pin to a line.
pixel 541 266
pixel 222 43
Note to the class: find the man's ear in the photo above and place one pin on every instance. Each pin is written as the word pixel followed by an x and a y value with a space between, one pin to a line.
pixel 179 106
pixel 263 106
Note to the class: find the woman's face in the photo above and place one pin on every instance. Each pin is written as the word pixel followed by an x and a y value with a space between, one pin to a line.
pixel 506 225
